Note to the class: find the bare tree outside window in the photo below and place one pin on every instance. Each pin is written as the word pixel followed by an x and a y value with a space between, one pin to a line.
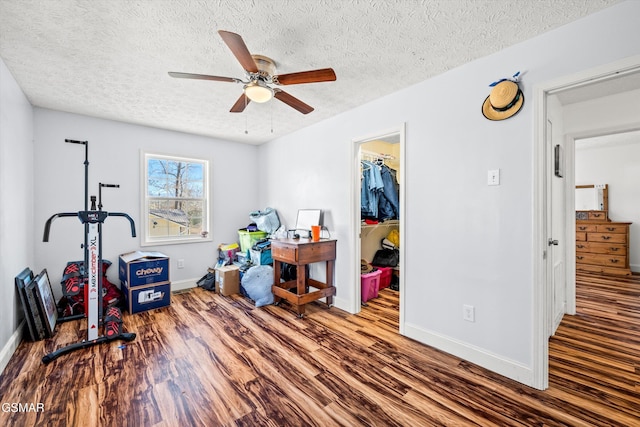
pixel 175 198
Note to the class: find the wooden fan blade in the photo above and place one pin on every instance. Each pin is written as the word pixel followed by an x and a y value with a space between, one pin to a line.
pixel 203 77
pixel 239 50
pixel 293 101
pixel 240 104
pixel 313 76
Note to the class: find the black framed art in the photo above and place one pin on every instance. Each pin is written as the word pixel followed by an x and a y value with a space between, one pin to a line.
pixel 22 280
pixel 34 310
pixel 46 302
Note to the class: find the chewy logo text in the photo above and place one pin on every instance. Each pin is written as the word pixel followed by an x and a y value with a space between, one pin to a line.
pixel 147 271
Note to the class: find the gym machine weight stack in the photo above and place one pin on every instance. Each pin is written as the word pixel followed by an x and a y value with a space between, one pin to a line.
pixel 92 276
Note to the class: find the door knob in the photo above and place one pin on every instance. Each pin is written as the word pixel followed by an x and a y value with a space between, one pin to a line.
pixel 553 242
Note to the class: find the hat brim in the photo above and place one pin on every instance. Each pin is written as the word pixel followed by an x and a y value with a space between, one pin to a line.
pixel 491 114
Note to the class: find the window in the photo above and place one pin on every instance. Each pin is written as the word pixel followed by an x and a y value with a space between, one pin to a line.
pixel 176 200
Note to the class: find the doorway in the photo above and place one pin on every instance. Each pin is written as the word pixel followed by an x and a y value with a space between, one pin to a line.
pixel 383 150
pixel 592 84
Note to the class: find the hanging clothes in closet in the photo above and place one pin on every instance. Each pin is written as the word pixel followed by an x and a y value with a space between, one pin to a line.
pixel 378 191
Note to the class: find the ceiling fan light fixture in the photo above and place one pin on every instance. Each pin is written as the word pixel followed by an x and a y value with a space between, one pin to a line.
pixel 258 91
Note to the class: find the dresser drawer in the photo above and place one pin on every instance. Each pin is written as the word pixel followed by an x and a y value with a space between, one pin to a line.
pixel 611 228
pixel 581 236
pixel 597 215
pixel 586 268
pixel 607 237
pixel 586 227
pixel 602 259
pixel 601 248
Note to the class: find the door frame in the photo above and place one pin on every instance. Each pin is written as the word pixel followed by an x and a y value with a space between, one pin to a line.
pixel 356 219
pixel 542 297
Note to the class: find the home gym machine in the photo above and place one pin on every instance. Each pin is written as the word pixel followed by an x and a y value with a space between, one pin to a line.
pixel 91 274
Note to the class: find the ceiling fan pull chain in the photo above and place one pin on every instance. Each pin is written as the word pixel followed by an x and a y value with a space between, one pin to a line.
pixel 246 131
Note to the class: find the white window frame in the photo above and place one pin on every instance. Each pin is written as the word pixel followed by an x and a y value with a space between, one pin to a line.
pixel 145 238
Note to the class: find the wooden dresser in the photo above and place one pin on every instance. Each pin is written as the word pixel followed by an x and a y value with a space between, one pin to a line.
pixel 602 246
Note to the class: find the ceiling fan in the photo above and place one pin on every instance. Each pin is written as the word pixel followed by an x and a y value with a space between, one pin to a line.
pixel 260 75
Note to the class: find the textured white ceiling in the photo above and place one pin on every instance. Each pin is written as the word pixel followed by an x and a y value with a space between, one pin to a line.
pixel 110 58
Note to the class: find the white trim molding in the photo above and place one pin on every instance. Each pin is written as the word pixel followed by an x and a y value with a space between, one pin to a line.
pixel 506 367
pixel 541 286
pixel 11 345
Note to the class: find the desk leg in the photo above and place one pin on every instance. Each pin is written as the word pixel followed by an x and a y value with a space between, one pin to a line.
pixel 276 279
pixel 301 275
pixel 329 280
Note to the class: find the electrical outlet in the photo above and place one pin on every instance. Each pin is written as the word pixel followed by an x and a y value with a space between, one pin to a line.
pixel 493 177
pixel 468 313
pixel 180 263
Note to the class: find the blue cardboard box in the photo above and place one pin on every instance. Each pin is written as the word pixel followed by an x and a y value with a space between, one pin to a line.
pixel 143 268
pixel 148 297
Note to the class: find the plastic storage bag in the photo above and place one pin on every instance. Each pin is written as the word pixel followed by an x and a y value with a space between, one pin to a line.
pixel 266 220
pixel 257 282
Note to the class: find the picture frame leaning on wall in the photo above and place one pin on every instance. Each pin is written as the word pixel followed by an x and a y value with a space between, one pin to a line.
pixel 22 280
pixel 34 310
pixel 43 293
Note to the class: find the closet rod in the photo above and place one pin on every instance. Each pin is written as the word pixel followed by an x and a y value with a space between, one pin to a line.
pixel 376 155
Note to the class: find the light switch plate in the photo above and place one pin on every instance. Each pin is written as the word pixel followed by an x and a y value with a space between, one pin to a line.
pixel 493 177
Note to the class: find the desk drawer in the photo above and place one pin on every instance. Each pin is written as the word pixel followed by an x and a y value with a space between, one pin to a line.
pixel 284 253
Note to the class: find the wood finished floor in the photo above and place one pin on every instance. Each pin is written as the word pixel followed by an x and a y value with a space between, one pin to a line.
pixel 211 361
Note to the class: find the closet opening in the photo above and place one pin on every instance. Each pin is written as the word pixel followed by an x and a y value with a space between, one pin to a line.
pixel 378 219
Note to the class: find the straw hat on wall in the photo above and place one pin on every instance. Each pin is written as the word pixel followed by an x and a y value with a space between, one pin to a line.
pixel 505 100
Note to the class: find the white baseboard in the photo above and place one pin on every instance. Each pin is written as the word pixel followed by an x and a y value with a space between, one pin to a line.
pixel 11 346
pixel 184 284
pixel 342 304
pixel 508 368
pixel 635 268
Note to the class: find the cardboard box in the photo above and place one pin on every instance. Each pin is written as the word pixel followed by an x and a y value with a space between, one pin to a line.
pixel 228 280
pixel 143 268
pixel 147 297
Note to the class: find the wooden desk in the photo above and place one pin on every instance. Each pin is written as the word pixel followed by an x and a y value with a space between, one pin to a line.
pixel 302 252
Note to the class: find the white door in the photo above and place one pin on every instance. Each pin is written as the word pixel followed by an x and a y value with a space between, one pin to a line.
pixel 557 230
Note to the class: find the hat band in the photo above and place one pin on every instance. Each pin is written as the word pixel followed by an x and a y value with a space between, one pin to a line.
pixel 510 105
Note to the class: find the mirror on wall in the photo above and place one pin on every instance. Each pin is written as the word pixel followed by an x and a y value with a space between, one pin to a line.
pixel 591 197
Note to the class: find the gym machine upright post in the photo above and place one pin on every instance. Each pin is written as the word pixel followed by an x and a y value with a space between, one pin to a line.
pixel 92 276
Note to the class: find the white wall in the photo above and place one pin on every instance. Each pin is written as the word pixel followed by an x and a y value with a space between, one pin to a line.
pixel 603 115
pixel 16 206
pixel 114 157
pixel 466 243
pixel 619 166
